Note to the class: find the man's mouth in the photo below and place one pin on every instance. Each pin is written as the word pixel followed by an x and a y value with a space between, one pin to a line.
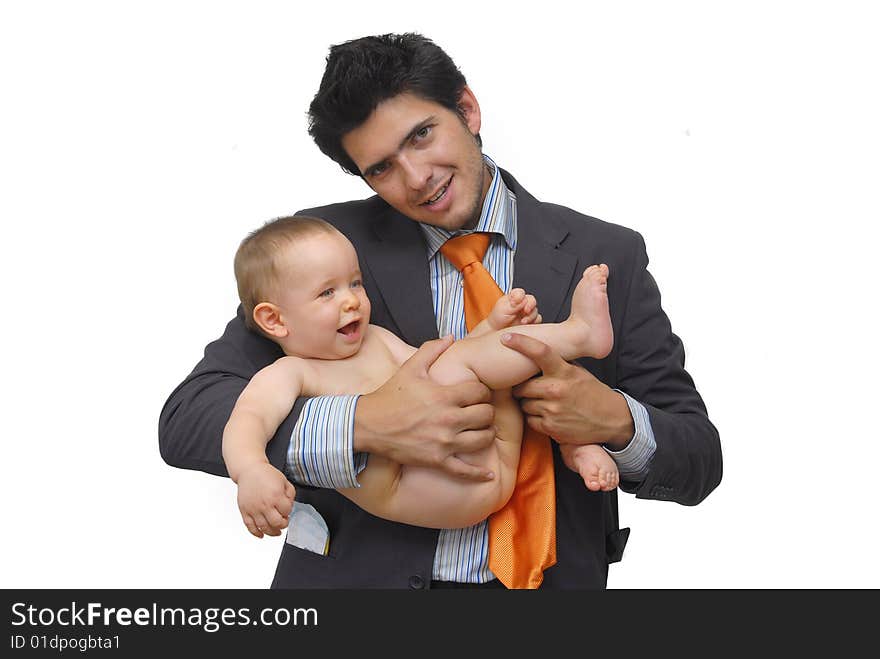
pixel 350 329
pixel 438 195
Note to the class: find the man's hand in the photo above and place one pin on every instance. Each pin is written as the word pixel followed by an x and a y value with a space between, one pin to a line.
pixel 415 421
pixel 567 402
pixel 265 498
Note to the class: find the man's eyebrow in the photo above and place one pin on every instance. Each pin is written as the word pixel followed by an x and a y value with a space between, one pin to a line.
pixel 415 129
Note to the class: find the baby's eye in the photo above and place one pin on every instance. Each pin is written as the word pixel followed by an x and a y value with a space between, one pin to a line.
pixel 326 293
pixel 357 283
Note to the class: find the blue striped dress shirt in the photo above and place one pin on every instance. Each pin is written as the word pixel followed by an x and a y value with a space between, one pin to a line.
pixel 321 447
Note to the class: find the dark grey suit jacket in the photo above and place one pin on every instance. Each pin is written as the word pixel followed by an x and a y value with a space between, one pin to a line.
pixel 554 246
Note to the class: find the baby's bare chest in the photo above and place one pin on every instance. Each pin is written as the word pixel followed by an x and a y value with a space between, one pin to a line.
pixel 363 373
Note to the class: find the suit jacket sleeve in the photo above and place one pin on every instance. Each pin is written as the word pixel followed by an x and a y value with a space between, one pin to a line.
pixel 686 466
pixel 191 422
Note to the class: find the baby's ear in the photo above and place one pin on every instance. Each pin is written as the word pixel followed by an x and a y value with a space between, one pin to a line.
pixel 268 318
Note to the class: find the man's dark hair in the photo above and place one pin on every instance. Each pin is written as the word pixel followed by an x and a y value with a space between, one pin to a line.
pixel 362 73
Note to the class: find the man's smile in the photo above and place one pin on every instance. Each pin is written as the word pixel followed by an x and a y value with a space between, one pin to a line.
pixel 437 196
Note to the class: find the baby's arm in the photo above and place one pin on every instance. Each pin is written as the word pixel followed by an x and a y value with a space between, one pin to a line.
pixel 265 496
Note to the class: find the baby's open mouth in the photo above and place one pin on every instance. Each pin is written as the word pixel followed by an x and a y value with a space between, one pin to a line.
pixel 351 328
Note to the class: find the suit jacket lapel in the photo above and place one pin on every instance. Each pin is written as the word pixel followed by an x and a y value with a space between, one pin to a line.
pixel 396 259
pixel 540 266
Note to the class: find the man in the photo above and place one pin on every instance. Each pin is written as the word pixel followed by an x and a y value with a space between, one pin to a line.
pixel 395 110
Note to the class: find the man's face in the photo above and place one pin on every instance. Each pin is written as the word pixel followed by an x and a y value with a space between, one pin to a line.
pixel 423 159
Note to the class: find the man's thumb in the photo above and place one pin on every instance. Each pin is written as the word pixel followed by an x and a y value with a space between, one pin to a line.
pixel 540 353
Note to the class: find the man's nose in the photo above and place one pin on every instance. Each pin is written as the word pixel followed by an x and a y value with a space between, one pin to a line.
pixel 416 172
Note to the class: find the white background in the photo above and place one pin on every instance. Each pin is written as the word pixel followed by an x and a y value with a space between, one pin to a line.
pixel 139 142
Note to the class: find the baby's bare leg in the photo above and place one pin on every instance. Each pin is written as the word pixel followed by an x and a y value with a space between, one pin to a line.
pixel 432 498
pixel 586 333
pixel 593 463
pixel 427 497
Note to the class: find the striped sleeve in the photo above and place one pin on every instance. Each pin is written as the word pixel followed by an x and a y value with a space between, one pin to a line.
pixel 321 450
pixel 633 461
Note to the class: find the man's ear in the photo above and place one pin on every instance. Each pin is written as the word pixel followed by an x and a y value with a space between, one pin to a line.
pixel 469 110
pixel 268 318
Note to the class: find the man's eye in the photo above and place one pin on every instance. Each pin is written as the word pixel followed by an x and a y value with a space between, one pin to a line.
pixel 377 170
pixel 423 132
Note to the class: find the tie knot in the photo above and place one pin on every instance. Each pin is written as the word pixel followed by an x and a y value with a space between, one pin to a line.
pixel 464 250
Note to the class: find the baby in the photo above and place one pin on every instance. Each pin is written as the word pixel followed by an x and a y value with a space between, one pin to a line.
pixel 300 285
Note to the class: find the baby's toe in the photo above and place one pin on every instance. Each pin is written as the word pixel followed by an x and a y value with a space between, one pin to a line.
pixel 609 481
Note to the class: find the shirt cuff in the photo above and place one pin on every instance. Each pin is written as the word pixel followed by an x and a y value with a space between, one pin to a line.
pixel 321 450
pixel 633 461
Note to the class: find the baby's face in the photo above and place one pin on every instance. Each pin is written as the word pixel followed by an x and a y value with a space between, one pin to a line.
pixel 323 303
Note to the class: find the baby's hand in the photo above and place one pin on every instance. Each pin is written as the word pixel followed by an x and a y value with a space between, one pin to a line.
pixel 265 498
pixel 515 308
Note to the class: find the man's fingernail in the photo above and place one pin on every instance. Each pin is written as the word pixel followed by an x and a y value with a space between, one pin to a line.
pixel 506 336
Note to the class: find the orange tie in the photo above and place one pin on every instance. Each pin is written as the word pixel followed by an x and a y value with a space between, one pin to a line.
pixel 522 535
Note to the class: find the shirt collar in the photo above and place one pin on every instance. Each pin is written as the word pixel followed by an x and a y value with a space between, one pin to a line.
pixel 498 215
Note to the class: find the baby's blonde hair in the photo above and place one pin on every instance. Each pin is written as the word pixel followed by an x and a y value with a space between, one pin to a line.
pixel 257 263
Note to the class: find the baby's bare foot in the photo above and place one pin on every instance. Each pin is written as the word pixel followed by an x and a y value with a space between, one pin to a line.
pixel 515 308
pixel 595 466
pixel 589 307
pixel 605 480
